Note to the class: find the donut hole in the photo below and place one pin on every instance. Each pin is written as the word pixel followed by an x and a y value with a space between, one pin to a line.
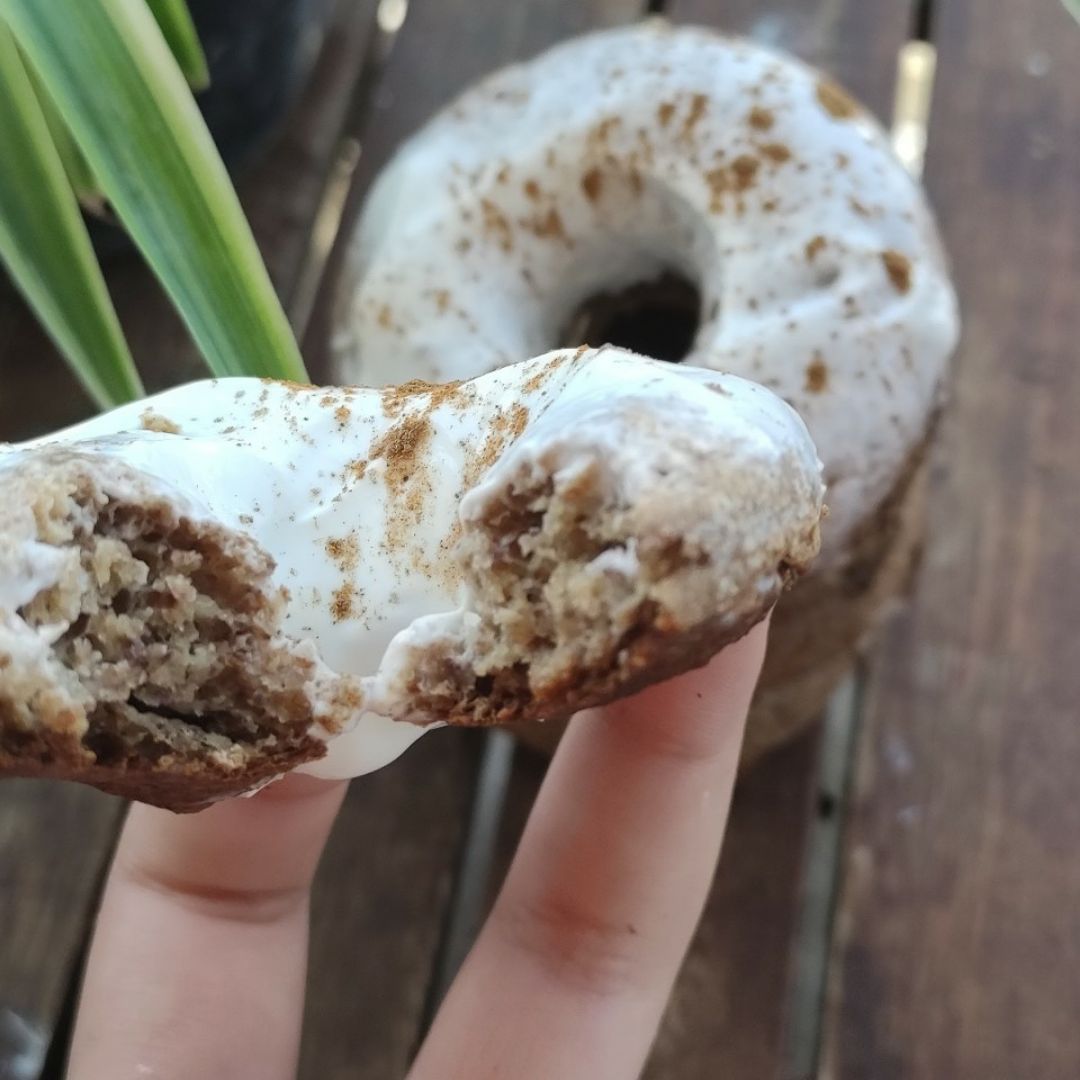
pixel 658 318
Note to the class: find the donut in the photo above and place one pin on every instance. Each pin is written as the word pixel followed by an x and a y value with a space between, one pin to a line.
pixel 238 578
pixel 699 198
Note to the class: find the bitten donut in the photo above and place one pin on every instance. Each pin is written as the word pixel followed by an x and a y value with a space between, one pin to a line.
pixel 237 578
pixel 631 162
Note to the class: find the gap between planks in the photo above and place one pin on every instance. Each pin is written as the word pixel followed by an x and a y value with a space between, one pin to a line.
pixel 821 881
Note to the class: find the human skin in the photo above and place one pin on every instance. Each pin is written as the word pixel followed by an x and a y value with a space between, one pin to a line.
pixel 198 964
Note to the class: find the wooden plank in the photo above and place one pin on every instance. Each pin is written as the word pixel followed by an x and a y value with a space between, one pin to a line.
pixel 54 842
pixel 726 1017
pixel 854 41
pixel 729 1013
pixel 447 45
pixel 376 919
pixel 958 941
pixel 55 839
pixel 281 193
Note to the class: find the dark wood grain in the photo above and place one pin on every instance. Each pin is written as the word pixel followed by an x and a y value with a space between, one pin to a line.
pixel 281 194
pixel 54 843
pixel 727 1015
pixel 377 910
pixel 958 943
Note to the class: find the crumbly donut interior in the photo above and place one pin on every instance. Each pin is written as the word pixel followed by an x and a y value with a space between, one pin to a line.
pixel 172 652
pixel 572 612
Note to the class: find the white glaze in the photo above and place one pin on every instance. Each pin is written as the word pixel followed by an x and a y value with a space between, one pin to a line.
pixel 26 570
pixel 363 542
pixel 459 265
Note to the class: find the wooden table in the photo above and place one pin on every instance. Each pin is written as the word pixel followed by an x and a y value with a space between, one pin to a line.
pixel 899 895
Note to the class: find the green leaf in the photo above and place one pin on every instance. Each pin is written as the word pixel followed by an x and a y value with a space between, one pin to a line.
pixel 175 21
pixel 45 245
pixel 118 87
pixel 78 172
pixel 1073 7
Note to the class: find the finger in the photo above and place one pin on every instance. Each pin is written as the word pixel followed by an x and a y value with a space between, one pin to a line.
pixel 198 962
pixel 573 969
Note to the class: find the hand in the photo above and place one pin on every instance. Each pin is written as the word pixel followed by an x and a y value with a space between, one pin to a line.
pixel 198 962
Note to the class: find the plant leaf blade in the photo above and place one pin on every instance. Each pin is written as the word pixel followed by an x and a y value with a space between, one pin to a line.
pixel 176 24
pixel 150 151
pixel 78 172
pixel 45 246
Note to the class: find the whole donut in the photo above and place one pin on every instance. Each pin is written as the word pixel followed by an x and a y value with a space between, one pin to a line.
pixel 624 155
